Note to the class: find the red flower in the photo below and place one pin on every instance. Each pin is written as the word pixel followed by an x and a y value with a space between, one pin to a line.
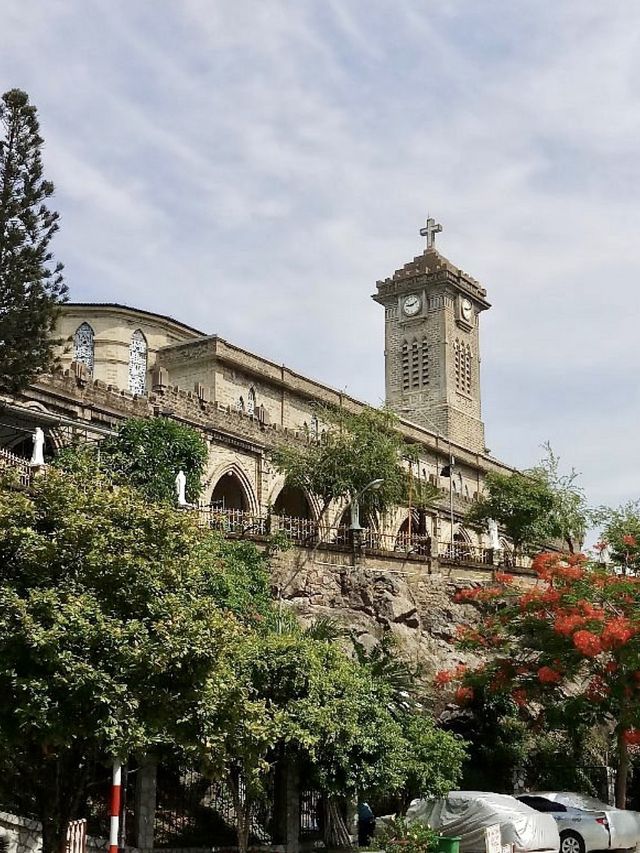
pixel 616 632
pixel 567 623
pixel 519 696
pixel 632 737
pixel 504 577
pixel 442 678
pixel 600 546
pixel 544 563
pixel 546 675
pixel 587 643
pixel 464 695
pixel 629 540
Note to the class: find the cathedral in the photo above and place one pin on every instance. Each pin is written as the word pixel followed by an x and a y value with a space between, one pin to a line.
pixel 120 361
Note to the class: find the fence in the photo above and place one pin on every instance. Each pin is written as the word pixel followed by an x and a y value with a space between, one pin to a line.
pixel 306 532
pixel 17 463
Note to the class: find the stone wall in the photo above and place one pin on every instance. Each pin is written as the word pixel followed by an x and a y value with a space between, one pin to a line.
pixel 373 595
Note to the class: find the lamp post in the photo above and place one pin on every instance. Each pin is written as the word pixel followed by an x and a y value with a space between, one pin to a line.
pixel 373 486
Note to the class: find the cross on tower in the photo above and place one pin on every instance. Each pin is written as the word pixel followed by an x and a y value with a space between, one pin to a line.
pixel 429 231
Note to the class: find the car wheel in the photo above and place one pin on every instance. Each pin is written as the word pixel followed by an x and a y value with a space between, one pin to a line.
pixel 571 842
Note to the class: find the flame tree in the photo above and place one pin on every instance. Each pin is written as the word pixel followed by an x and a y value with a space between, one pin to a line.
pixel 566 650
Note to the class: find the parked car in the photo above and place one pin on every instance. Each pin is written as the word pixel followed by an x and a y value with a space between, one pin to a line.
pixel 467 814
pixel 586 823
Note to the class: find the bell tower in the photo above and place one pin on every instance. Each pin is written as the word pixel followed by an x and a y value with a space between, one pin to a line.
pixel 432 344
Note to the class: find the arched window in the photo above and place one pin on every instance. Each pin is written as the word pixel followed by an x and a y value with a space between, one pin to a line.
pixel 251 402
pixel 240 404
pixel 83 346
pixel 315 427
pixel 138 363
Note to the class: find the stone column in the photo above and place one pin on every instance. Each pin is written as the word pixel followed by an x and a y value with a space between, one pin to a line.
pixel 145 810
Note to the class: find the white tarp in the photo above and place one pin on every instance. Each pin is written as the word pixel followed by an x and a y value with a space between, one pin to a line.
pixel 467 813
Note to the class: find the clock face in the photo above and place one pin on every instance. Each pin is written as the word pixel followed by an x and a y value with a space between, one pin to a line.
pixel 466 309
pixel 411 305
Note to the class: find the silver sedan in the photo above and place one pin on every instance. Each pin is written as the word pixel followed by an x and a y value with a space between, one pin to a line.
pixel 585 823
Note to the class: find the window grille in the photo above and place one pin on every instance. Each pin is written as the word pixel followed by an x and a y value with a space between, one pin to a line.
pixel 84 347
pixel 138 363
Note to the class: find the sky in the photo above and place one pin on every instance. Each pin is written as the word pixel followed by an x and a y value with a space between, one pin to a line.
pixel 253 167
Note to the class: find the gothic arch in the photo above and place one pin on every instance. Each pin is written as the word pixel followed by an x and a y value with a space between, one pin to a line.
pixel 312 502
pixel 232 483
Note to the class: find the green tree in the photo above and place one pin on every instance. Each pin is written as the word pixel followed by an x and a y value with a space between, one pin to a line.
pixel 571 515
pixel 111 640
pixel 148 453
pixel 523 504
pixel 31 283
pixel 354 450
pixel 566 651
pixel 621 533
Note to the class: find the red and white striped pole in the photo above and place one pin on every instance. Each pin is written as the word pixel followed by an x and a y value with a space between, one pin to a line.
pixel 114 812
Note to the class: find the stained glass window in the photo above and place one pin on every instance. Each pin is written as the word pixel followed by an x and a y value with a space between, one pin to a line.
pixel 138 363
pixel 83 346
pixel 251 402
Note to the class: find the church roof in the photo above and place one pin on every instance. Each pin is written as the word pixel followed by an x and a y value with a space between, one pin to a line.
pixel 139 311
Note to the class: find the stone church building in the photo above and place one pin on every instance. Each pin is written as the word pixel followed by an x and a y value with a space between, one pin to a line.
pixel 122 361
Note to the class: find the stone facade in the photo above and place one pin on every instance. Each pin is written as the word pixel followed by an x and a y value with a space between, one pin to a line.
pixel 432 347
pixel 245 404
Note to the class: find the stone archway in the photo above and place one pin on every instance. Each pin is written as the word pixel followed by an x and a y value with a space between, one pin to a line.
pixel 414 537
pixel 230 493
pixel 293 502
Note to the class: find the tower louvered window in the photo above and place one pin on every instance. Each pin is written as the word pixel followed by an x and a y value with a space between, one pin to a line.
pixel 415 365
pixel 425 362
pixel 405 366
pixel 462 366
pixel 83 346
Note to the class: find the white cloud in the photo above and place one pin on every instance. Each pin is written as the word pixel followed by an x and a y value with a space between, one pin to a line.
pixel 253 169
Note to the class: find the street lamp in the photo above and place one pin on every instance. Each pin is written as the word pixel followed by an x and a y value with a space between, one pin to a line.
pixel 373 486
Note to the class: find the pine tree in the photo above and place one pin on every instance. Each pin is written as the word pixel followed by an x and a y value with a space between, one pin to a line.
pixel 31 282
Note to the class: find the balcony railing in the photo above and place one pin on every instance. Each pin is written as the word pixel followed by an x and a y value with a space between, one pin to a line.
pixel 17 463
pixel 305 532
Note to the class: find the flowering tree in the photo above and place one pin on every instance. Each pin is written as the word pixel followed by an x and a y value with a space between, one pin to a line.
pixel 566 649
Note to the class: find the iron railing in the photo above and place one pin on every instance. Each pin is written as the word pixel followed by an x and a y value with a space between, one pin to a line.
pixel 10 460
pixel 306 532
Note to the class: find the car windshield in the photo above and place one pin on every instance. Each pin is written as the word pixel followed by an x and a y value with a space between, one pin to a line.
pixel 578 801
pixel 542 804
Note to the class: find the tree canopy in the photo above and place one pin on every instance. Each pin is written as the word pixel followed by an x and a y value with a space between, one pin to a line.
pixel 566 651
pixel 112 632
pixel 31 283
pixel 147 453
pixel 353 450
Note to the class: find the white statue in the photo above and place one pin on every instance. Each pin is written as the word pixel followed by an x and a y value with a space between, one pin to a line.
pixel 181 488
pixel 494 538
pixel 37 457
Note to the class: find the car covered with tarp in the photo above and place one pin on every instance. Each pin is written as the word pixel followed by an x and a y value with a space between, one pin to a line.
pixel 466 815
